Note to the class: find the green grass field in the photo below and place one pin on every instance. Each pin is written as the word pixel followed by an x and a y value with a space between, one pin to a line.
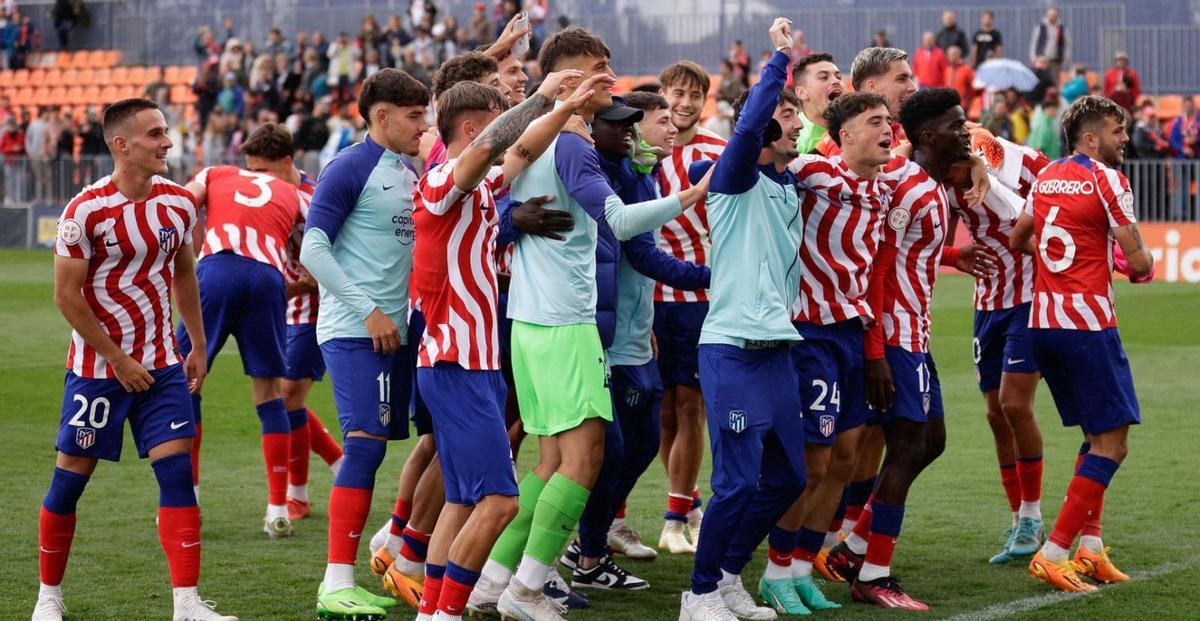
pixel 954 516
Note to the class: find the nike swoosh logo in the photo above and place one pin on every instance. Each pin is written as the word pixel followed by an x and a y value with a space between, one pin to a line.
pixel 179 425
pixel 189 544
pixel 355 535
pixel 110 244
pixel 388 187
pixel 45 551
pixel 567 528
pixel 1011 361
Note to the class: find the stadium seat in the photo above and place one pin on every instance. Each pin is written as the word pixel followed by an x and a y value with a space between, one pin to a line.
pixel 154 74
pixel 112 58
pixel 137 76
pixel 81 59
pixel 20 77
pixel 74 95
pixel 70 77
pixel 95 59
pixel 37 77
pixel 53 77
pixel 1169 106
pixel 91 95
pixel 120 76
pixel 128 92
pixel 182 94
pixel 85 76
pixel 103 77
pixel 22 96
pixel 39 97
pixel 171 75
pixel 188 74
pixel 108 94
pixel 57 96
pixel 6 79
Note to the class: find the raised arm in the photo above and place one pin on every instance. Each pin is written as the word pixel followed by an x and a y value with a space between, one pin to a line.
pixel 537 137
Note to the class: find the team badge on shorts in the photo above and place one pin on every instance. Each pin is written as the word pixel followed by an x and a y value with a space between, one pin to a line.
pixel 85 438
pixel 632 396
pixel 826 425
pixel 167 240
pixel 925 403
pixel 737 421
pixel 385 414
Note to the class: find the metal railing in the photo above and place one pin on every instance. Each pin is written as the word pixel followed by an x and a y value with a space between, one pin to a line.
pixel 1163 55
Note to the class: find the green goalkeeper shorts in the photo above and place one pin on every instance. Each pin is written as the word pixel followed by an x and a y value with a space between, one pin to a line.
pixel 561 376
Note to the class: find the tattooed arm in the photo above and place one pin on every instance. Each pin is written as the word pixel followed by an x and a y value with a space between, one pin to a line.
pixel 1141 262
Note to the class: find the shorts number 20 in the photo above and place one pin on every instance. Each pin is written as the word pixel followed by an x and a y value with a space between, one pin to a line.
pixel 97 412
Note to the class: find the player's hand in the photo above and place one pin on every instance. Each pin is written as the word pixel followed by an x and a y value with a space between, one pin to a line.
pixel 531 218
pixel 510 35
pixel 977 260
pixel 196 369
pixel 553 85
pixel 385 338
pixel 981 184
pixel 576 125
pixel 132 375
pixel 880 389
pixel 781 34
pixel 586 89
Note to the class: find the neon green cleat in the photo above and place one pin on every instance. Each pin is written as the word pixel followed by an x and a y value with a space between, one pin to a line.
pixel 348 605
pixel 375 600
pixel 780 595
pixel 811 594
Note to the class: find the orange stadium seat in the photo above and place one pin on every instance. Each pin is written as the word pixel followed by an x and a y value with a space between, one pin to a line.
pixel 120 76
pixel 23 96
pixel 624 84
pixel 38 97
pixel 74 96
pixel 53 77
pixel 112 58
pixel 20 77
pixel 137 76
pixel 108 94
pixel 37 77
pixel 127 92
pixel 1169 106
pixel 188 74
pixel 103 77
pixel 91 95
pixel 153 74
pixel 6 79
pixel 57 96
pixel 182 94
pixel 171 75
pixel 95 59
pixel 85 76
pixel 70 77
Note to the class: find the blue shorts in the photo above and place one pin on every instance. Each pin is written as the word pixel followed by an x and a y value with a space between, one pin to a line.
pixel 371 391
pixel 244 298
pixel 829 363
pixel 468 425
pixel 304 359
pixel 1002 345
pixel 421 419
pixel 94 412
pixel 918 391
pixel 677 329
pixel 1089 378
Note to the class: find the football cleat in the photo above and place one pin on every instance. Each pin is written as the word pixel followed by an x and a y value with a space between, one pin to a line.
pixel 1027 538
pixel 407 587
pixel 844 562
pixel 1005 554
pixel 347 605
pixel 695 518
pixel 674 539
pixel 517 603
pixel 298 509
pixel 1098 567
pixel 624 540
pixel 811 595
pixel 821 564
pixel 1060 575
pixel 380 538
pixel 189 607
pixel 606 575
pixel 278 528
pixel 482 602
pixel 49 607
pixel 780 595
pixel 707 607
pixel 381 559
pixel 742 605
pixel 886 592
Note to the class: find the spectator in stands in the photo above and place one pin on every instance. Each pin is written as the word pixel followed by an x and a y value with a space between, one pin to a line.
pixel 997 119
pixel 276 44
pixel 227 27
pixel 6 109
pixel 1185 132
pixel 287 82
pixel 1149 140
pixel 986 43
pixel 263 91
pixel 1019 113
pixel 312 81
pixel 800 48
pixel 232 97
pixel 215 138
pixel 508 10
pixel 880 39
pixel 343 65
pixel 479 28
pixel 206 87
pixel 741 62
pixel 370 36
pixel 23 38
pixel 12 146
pixel 1123 95
pixel 951 35
pixel 1051 39
pixel 1077 86
pixel 1046 80
pixel 39 149
pixel 312 135
pixel 538 11
pixel 929 63
pixel 1118 72
pixel 370 64
pixel 1045 131
pixel 92 148
pixel 322 48
pixel 960 76
pixel 205 44
pixel 422 48
pixel 63 16
pixel 410 66
pixel 233 60
pixel 299 46
pixel 731 87
pixel 62 133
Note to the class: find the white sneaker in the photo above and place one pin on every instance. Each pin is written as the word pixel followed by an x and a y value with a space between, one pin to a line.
pixel 673 538
pixel 742 605
pixel 278 528
pixel 707 607
pixel 49 606
pixel 189 607
pixel 380 538
pixel 624 540
pixel 518 603
pixel 483 598
pixel 695 517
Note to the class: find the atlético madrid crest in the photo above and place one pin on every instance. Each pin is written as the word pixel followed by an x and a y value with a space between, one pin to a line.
pixel 85 438
pixel 385 414
pixel 167 240
pixel 826 425
pixel 737 420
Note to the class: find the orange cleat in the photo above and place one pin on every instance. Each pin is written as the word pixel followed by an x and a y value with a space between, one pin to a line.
pixel 1098 567
pixel 407 587
pixel 380 561
pixel 823 568
pixel 1059 575
pixel 298 509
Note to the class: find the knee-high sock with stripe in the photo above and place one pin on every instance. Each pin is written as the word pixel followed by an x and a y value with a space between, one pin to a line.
pixel 298 444
pixel 322 442
pixel 886 520
pixel 178 519
pixel 349 505
pixel 431 589
pixel 456 589
pixel 276 440
pixel 56 524
pixel 1084 497
pixel 554 519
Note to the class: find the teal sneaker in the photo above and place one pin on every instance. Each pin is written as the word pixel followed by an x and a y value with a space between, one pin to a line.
pixel 811 594
pixel 1005 554
pixel 347 605
pixel 780 595
pixel 1028 538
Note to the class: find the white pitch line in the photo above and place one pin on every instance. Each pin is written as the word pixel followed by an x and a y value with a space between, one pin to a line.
pixel 1000 611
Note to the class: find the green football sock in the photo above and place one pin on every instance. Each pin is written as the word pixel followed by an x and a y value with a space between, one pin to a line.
pixel 554 519
pixel 511 544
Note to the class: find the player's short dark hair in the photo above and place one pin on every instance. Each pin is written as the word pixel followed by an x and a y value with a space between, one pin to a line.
pixel 464 98
pixel 466 67
pixel 646 102
pixel 924 106
pixel 784 96
pixel 391 86
pixel 873 62
pixel 570 42
pixel 270 141
pixel 685 73
pixel 803 64
pixel 648 87
pixel 1085 112
pixel 847 107
pixel 121 111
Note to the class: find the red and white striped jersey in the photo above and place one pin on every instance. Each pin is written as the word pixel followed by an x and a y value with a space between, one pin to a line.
pixel 1075 205
pixel 843 216
pixel 130 248
pixel 990 224
pixel 686 237
pixel 454 269
pixel 301 309
pixel 249 213
pixel 916 226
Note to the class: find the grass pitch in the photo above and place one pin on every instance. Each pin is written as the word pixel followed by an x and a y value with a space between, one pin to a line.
pixel 955 512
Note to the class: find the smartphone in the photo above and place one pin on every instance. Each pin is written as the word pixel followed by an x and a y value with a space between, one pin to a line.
pixel 521 47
